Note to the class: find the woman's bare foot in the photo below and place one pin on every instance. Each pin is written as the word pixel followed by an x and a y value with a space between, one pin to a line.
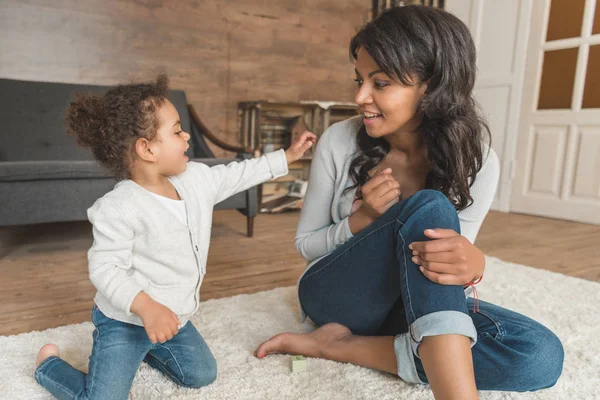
pixel 46 351
pixel 314 344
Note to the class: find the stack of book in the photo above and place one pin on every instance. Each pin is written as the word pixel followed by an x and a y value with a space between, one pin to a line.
pixel 291 200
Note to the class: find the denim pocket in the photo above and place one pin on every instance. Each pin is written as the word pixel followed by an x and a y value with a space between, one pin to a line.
pixel 486 325
pixel 94 309
pixel 98 318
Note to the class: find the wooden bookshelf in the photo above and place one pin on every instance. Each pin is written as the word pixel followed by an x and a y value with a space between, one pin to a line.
pixel 274 125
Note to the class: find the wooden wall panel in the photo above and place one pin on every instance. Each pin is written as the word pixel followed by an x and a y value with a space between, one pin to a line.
pixel 220 52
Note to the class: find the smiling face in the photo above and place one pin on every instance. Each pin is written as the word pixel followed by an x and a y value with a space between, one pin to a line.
pixel 387 105
pixel 171 142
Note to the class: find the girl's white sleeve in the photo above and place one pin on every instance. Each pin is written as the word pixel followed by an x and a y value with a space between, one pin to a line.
pixel 237 176
pixel 110 257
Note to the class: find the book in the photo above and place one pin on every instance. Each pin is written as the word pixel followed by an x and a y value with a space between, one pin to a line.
pixel 292 200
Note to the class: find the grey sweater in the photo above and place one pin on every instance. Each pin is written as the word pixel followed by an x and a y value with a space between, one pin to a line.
pixel 323 222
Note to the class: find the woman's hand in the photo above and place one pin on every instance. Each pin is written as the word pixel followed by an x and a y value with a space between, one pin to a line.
pixel 299 147
pixel 380 193
pixel 449 259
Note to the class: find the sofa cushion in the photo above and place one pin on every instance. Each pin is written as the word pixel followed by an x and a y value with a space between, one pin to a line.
pixel 13 171
pixel 33 120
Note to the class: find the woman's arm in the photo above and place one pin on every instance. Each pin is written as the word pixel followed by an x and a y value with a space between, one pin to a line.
pixel 380 193
pixel 452 258
pixel 359 220
pixel 317 234
pixel 483 192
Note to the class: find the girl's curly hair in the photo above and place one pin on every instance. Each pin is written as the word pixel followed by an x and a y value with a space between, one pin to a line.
pixel 110 124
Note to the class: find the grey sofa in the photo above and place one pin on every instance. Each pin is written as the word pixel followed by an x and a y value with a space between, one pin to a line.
pixel 46 177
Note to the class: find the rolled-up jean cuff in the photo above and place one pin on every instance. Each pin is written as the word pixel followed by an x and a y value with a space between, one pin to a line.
pixel 437 323
pixel 442 323
pixel 407 370
pixel 44 365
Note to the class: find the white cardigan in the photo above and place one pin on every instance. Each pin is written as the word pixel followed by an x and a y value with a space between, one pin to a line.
pixel 140 246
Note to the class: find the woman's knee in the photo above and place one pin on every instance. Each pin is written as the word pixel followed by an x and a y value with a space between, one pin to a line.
pixel 541 361
pixel 430 196
pixel 426 202
pixel 548 359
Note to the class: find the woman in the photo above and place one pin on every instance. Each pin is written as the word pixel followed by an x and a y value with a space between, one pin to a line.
pixel 395 201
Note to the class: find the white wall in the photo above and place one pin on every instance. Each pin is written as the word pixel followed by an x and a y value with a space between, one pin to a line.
pixel 500 29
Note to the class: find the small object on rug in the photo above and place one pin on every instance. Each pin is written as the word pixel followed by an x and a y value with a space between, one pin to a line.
pixel 297 363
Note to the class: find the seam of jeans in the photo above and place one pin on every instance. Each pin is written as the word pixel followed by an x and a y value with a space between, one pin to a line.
pixel 96 310
pixel 95 335
pixel 93 317
pixel 161 367
pixel 37 373
pixel 176 362
pixel 406 273
pixel 306 276
pixel 411 332
pixel 498 325
pixel 70 392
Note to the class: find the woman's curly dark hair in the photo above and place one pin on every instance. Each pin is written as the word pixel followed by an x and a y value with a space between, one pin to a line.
pixel 110 124
pixel 431 46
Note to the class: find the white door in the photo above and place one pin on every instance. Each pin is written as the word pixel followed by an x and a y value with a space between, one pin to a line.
pixel 557 172
pixel 500 29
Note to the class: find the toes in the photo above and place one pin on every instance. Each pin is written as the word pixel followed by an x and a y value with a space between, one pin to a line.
pixel 273 345
pixel 262 350
pixel 259 351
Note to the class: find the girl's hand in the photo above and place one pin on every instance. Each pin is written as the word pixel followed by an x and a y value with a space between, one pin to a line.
pixel 299 147
pixel 450 259
pixel 160 322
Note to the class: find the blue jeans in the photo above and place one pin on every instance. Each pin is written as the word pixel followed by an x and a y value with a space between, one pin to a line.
pixel 370 285
pixel 118 350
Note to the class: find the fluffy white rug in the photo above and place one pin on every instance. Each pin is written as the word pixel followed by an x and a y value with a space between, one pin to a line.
pixel 234 326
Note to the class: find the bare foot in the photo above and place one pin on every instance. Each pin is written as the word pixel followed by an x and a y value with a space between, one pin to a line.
pixel 46 351
pixel 314 344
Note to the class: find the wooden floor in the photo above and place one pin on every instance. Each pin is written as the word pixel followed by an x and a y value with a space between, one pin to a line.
pixel 44 282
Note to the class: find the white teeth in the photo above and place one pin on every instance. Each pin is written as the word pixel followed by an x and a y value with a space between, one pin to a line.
pixel 371 115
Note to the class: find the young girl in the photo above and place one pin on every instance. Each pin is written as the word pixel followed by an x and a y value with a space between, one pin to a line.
pixel 151 239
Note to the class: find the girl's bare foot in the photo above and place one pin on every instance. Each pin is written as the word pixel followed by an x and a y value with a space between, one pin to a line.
pixel 46 351
pixel 314 344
